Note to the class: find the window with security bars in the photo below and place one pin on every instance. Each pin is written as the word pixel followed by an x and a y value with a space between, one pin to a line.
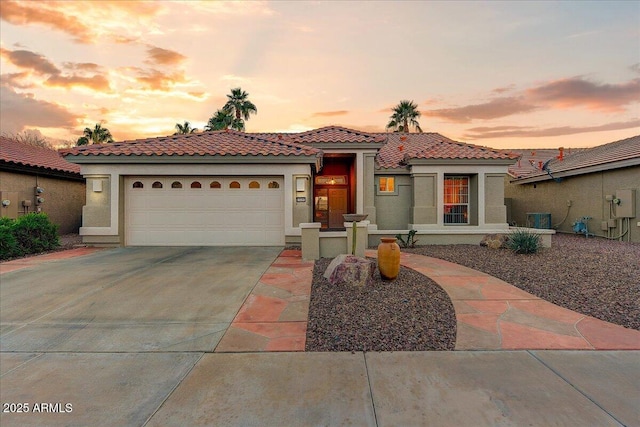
pixel 456 200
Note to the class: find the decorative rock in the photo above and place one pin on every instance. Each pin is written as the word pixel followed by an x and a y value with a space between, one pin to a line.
pixel 351 270
pixel 495 241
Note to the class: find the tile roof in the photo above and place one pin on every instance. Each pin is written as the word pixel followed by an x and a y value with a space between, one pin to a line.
pixel 603 157
pixel 531 160
pixel 337 134
pixel 402 147
pixel 20 153
pixel 216 143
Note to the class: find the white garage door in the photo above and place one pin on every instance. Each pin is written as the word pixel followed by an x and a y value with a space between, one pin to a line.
pixel 204 211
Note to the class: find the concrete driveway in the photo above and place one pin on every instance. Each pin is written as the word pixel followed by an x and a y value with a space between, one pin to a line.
pixel 124 337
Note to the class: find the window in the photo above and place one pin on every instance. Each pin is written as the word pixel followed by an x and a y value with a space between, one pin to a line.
pixel 234 184
pixel 254 184
pixel 196 184
pixel 156 184
pixel 138 184
pixel 176 184
pixel 215 184
pixel 387 184
pixel 273 184
pixel 456 200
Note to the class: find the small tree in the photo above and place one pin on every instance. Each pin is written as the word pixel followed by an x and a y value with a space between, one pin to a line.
pixel 183 129
pixel 97 135
pixel 405 114
pixel 239 105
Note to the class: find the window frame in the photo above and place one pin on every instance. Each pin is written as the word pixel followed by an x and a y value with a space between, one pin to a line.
pixel 380 192
pixel 464 205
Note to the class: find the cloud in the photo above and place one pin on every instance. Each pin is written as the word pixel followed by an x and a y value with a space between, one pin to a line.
pixel 157 80
pixel 496 108
pixel 25 13
pixel 330 113
pixel 85 22
pixel 39 65
pixel 635 67
pixel 577 92
pixel 160 56
pixel 528 132
pixel 501 90
pixel 33 61
pixel 16 80
pixel 20 110
pixel 96 82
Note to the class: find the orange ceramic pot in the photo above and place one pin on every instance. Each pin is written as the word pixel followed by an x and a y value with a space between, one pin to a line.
pixel 388 258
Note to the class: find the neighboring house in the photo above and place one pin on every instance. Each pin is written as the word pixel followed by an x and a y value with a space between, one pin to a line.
pixel 38 179
pixel 234 188
pixel 585 183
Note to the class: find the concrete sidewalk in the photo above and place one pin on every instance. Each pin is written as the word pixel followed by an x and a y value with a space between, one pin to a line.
pixel 534 388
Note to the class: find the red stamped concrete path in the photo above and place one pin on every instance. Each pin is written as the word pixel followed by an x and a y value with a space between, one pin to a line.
pixel 494 315
pixel 274 315
pixel 21 263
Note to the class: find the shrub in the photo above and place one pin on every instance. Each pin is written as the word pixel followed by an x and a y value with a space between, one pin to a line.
pixel 9 247
pixel 35 233
pixel 524 242
pixel 411 240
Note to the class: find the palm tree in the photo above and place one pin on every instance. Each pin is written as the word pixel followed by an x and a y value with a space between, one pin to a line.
pixel 184 128
pixel 240 107
pixel 404 115
pixel 97 135
pixel 221 119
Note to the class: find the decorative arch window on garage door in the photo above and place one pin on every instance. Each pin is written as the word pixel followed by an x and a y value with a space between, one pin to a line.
pixel 156 184
pixel 176 184
pixel 274 184
pixel 234 184
pixel 196 184
pixel 254 184
pixel 138 184
pixel 215 184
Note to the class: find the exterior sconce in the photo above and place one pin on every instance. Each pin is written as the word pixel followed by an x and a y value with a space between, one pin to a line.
pixel 301 184
pixel 5 203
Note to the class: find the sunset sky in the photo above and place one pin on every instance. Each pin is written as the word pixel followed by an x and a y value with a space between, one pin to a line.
pixel 501 74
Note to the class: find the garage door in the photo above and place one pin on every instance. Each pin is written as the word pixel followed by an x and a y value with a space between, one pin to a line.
pixel 204 211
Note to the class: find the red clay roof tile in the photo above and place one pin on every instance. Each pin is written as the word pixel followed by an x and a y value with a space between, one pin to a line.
pixel 216 143
pixel 19 153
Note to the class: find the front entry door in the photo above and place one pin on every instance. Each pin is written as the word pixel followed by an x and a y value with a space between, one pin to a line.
pixel 337 207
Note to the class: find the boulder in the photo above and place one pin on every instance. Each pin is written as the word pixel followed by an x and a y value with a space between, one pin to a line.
pixel 495 241
pixel 350 269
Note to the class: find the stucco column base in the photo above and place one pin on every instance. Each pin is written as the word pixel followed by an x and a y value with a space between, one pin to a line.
pixel 310 240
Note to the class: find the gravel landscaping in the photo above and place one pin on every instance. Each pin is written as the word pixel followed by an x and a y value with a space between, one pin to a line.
pixel 594 276
pixel 410 313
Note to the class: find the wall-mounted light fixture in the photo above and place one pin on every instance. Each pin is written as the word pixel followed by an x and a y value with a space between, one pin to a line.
pixel 301 184
pixel 97 186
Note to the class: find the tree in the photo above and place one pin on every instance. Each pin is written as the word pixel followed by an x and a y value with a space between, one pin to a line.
pixel 404 115
pixel 97 135
pixel 240 107
pixel 31 137
pixel 221 119
pixel 183 129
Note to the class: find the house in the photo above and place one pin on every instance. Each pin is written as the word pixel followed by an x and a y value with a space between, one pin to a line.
pixel 235 188
pixel 39 179
pixel 600 183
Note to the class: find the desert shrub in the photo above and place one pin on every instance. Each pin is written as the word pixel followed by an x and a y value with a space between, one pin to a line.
pixel 35 233
pixel 9 247
pixel 524 242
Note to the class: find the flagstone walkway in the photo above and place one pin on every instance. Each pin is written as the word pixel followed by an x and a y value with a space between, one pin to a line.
pixel 274 316
pixel 494 315
pixel 491 314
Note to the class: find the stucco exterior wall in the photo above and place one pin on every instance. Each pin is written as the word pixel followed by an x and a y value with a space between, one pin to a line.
pixel 495 209
pixel 425 198
pixel 63 203
pixel 393 211
pixel 587 196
